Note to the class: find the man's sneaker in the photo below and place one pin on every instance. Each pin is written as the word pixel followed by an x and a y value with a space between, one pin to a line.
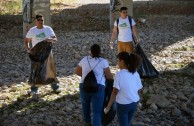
pixel 55 88
pixel 34 94
pixel 58 90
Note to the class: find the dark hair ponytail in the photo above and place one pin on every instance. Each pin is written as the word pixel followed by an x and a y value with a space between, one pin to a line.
pixel 132 60
pixel 95 50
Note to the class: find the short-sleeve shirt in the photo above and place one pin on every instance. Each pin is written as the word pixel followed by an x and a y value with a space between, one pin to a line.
pixel 128 85
pixel 125 32
pixel 38 35
pixel 100 64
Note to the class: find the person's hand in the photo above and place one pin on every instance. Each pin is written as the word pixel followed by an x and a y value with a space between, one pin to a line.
pixel 139 105
pixel 111 45
pixel 106 110
pixel 136 42
pixel 49 40
pixel 28 50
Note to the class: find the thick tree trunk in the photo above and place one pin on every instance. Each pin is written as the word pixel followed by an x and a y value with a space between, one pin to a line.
pixel 39 7
pixel 115 5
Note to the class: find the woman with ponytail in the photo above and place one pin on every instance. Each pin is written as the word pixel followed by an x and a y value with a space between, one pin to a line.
pixel 127 83
pixel 93 102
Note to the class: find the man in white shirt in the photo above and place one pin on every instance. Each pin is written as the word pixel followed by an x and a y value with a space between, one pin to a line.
pixel 36 34
pixel 124 32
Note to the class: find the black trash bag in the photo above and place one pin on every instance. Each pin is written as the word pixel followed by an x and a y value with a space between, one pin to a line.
pixel 41 51
pixel 107 118
pixel 146 70
pixel 43 69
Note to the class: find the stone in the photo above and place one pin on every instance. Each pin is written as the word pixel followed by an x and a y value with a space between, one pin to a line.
pixel 147 120
pixel 181 97
pixel 4 97
pixel 185 120
pixel 48 123
pixel 68 109
pixel 173 96
pixel 159 100
pixel 176 112
pixel 138 124
pixel 184 107
pixel 153 107
pixel 192 113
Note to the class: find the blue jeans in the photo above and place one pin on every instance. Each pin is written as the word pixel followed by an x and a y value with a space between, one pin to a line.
pixel 125 113
pixel 97 100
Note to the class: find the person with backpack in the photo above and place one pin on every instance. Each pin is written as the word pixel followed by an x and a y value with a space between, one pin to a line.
pixel 126 87
pixel 94 70
pixel 124 26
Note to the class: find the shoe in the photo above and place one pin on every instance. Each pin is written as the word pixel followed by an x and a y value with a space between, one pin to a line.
pixel 55 88
pixel 34 94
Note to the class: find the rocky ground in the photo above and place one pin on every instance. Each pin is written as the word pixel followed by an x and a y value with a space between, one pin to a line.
pixel 167 40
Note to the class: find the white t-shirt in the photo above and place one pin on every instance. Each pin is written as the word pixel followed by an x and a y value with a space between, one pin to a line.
pixel 38 35
pixel 125 32
pixel 128 85
pixel 98 70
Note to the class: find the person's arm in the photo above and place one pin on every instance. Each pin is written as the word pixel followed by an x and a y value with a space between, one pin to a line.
pixel 26 43
pixel 78 70
pixel 113 37
pixel 112 98
pixel 52 39
pixel 108 73
pixel 135 33
pixel 114 34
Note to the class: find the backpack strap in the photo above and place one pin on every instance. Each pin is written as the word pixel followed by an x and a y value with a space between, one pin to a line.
pixel 94 66
pixel 130 22
pixel 117 25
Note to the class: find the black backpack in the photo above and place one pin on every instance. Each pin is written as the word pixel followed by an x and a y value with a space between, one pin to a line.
pixel 90 83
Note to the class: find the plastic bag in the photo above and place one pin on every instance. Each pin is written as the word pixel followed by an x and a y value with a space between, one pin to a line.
pixel 41 51
pixel 147 70
pixel 43 69
pixel 107 118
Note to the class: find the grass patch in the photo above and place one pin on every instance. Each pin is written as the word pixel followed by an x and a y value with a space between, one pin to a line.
pixel 14 7
pixel 76 85
pixel 36 105
pixel 184 48
pixel 11 7
pixel 178 65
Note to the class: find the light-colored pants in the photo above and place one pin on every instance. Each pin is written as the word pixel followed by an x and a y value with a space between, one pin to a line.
pixel 125 47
